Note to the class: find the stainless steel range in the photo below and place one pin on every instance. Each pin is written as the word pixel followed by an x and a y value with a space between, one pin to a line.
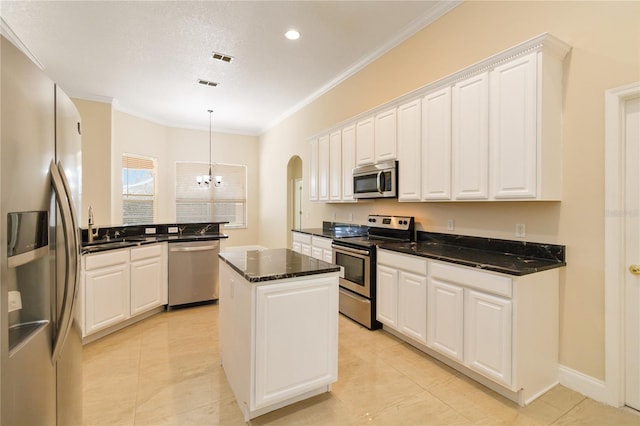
pixel 357 255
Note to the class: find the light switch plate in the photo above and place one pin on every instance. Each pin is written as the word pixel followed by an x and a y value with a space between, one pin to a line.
pixel 173 229
pixel 520 230
pixel 149 230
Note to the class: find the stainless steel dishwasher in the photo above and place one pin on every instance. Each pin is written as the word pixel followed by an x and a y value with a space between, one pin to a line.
pixel 193 272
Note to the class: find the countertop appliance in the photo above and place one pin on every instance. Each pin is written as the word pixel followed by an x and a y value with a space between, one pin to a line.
pixel 357 255
pixel 193 273
pixel 40 181
pixel 376 180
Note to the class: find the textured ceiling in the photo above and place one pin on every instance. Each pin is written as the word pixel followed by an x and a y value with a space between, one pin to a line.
pixel 147 56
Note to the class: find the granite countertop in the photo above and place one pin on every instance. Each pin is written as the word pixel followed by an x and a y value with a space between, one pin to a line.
pixel 275 264
pixel 114 244
pixel 504 256
pixel 335 230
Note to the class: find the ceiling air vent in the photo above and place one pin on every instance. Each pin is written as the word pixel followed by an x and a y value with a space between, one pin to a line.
pixel 221 57
pixel 207 83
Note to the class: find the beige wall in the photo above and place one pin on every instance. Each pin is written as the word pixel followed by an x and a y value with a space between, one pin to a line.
pixel 605 38
pixel 96 158
pixel 193 145
pixel 107 134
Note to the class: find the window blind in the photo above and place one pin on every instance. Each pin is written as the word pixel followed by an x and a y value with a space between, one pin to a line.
pixel 138 189
pixel 225 202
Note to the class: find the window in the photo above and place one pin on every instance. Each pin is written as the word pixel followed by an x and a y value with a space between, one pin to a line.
pixel 222 200
pixel 138 189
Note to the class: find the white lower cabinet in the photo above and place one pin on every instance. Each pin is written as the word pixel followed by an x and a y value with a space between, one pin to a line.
pixel 278 339
pixel 120 284
pixel 445 323
pixel 316 247
pixel 499 329
pixel 148 288
pixel 401 294
pixel 387 295
pixel 487 331
pixel 106 289
pixel 321 249
pixel 301 243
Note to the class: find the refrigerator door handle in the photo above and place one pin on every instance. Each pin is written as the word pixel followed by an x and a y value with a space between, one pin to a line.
pixel 72 251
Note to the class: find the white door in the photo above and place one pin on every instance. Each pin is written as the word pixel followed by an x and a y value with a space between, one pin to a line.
pixel 631 135
pixel 297 204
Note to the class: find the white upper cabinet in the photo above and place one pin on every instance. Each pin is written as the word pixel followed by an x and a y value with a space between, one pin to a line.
pixel 385 136
pixel 409 141
pixel 436 145
pixel 470 136
pixel 313 171
pixel 489 132
pixel 348 161
pixel 323 168
pixel 513 135
pixel 364 142
pixel 335 166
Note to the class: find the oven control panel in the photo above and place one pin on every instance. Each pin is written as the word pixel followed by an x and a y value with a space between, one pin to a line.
pixel 391 222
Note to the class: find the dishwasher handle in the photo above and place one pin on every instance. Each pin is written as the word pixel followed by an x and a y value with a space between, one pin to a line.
pixel 193 248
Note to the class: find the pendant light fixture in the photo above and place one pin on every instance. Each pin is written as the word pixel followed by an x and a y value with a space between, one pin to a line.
pixel 206 179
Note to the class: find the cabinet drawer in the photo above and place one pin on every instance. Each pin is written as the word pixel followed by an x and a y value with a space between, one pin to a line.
pixel 415 264
pixel 101 260
pixel 145 252
pixel 323 243
pixel 484 281
pixel 302 238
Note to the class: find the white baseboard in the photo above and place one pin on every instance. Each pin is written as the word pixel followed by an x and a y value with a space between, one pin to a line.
pixel 586 385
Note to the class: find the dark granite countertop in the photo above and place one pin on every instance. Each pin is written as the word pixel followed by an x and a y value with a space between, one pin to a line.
pixel 504 256
pixel 275 264
pixel 335 230
pixel 118 243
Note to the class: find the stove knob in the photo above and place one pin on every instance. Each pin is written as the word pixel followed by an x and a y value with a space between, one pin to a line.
pixel 371 219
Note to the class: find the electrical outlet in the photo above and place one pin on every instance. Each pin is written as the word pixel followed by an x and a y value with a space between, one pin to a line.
pixel 520 230
pixel 450 225
pixel 15 301
pixel 335 215
pixel 173 230
pixel 350 217
pixel 149 231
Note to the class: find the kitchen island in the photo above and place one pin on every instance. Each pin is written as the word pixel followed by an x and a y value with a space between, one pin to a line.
pixel 278 327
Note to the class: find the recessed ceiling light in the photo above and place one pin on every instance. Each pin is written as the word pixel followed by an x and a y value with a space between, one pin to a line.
pixel 292 35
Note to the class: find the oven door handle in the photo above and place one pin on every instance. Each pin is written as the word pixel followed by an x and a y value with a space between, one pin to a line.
pixel 350 250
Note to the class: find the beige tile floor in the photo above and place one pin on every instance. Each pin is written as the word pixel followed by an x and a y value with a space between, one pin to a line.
pixel 166 371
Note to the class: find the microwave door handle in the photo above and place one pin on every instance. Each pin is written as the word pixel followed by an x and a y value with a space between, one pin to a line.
pixel 379 181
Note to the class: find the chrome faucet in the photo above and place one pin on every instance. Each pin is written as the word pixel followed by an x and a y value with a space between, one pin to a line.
pixel 205 229
pixel 90 232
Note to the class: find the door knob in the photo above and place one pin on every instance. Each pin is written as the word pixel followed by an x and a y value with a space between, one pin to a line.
pixel 634 269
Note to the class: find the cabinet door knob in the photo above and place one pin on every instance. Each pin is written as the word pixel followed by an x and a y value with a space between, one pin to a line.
pixel 634 269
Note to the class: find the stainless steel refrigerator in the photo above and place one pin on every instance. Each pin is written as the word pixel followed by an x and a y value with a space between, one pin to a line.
pixel 40 187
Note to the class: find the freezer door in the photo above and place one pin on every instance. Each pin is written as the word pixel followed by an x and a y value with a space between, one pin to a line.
pixel 68 352
pixel 26 148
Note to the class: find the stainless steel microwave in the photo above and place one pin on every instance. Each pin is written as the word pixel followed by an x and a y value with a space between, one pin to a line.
pixel 376 180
